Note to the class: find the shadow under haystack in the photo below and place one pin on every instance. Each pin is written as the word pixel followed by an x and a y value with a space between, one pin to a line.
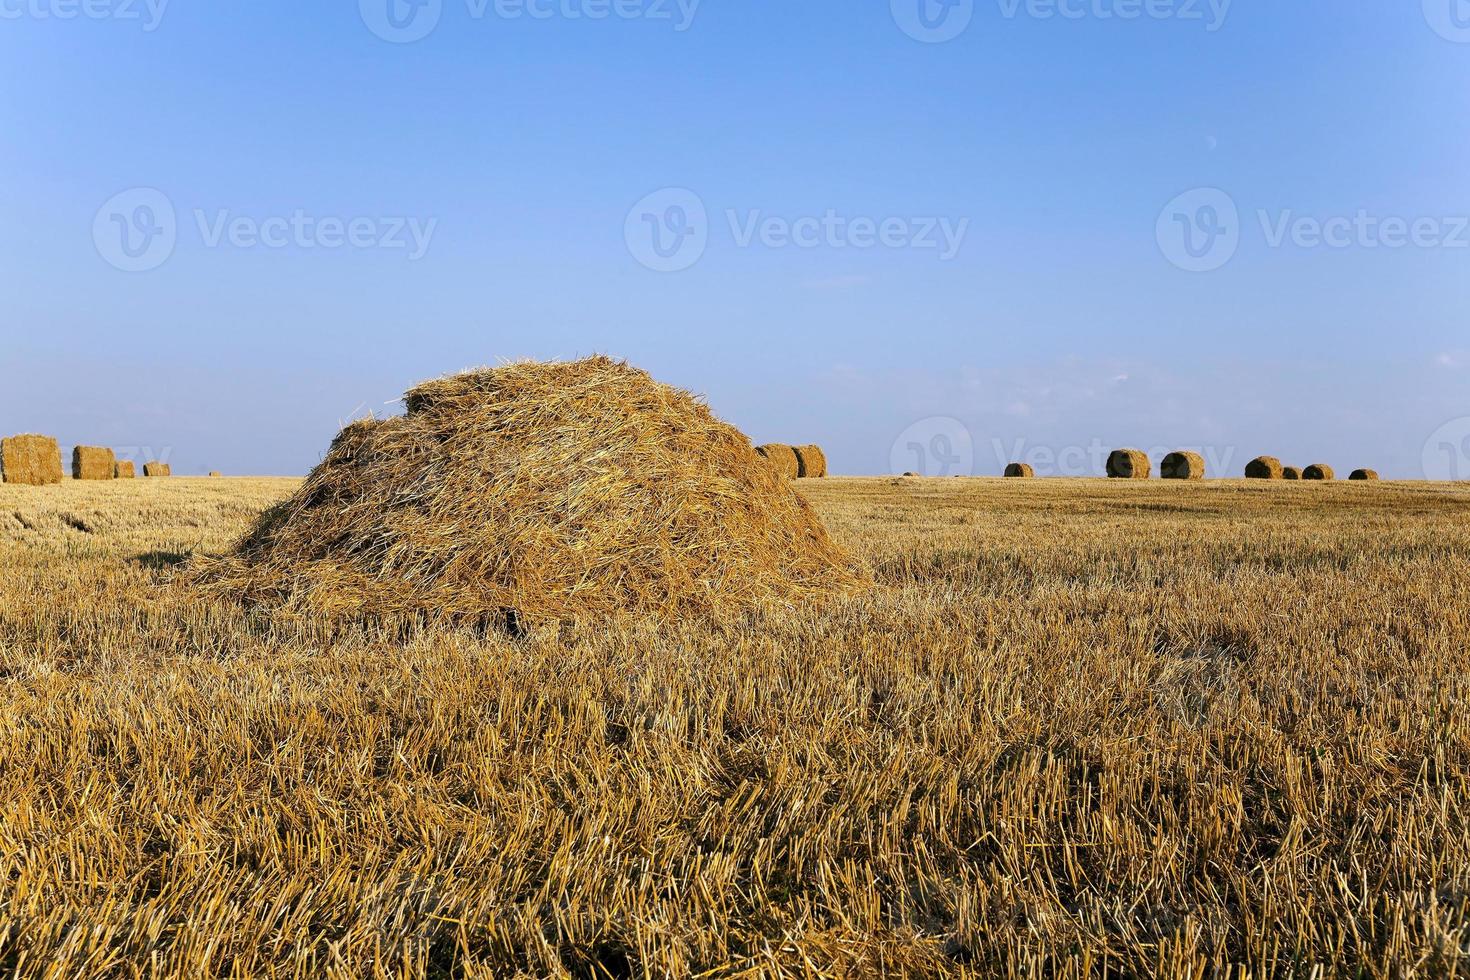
pixel 541 491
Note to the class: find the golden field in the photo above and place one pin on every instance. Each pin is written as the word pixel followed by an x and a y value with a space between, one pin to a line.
pixel 1079 727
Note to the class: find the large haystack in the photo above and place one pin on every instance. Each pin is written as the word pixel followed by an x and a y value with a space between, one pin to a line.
pixel 93 463
pixel 1319 471
pixel 1020 471
pixel 541 491
pixel 1183 465
pixel 782 457
pixel 1264 468
pixel 30 459
pixel 811 463
pixel 1129 464
pixel 124 469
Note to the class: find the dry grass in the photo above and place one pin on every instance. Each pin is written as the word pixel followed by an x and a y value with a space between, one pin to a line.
pixel 1157 727
pixel 529 491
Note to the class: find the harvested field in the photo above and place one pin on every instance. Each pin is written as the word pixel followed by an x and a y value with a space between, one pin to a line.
pixel 1157 727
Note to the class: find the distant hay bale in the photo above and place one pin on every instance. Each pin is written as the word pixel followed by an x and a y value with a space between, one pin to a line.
pixel 124 469
pixel 1183 466
pixel 538 493
pixel 31 460
pixel 1020 471
pixel 782 457
pixel 93 463
pixel 911 476
pixel 1264 468
pixel 1364 475
pixel 1291 473
pixel 157 469
pixel 1318 471
pixel 1129 464
pixel 215 474
pixel 811 462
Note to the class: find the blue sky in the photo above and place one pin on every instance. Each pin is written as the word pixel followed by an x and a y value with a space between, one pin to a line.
pixel 963 231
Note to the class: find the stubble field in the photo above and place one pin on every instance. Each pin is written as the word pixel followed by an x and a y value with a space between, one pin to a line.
pixel 1078 727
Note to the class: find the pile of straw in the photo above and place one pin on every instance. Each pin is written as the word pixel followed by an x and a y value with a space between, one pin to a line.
pixel 1183 466
pixel 811 463
pixel 93 463
pixel 30 459
pixel 1020 471
pixel 782 457
pixel 1318 471
pixel 1129 464
pixel 1264 468
pixel 559 491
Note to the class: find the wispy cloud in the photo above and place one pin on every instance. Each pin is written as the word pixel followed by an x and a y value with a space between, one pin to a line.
pixel 1452 359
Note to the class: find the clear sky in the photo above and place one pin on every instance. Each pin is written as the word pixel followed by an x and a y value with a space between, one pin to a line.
pixel 990 229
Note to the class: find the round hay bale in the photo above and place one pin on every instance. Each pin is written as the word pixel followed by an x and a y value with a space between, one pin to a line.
pixel 782 457
pixel 911 476
pixel 1183 465
pixel 1020 471
pixel 811 463
pixel 1364 475
pixel 215 474
pixel 124 469
pixel 157 469
pixel 92 463
pixel 542 493
pixel 1264 468
pixel 1318 471
pixel 1129 464
pixel 1291 473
